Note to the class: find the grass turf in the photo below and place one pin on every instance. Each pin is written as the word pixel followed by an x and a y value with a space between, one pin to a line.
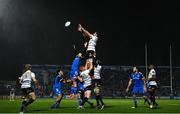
pixel 70 106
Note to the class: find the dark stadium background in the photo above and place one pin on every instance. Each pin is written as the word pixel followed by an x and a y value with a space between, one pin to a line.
pixel 32 31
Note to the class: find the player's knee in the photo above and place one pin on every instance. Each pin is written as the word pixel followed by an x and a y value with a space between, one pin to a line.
pixel 134 96
pixel 144 97
pixel 34 98
pixel 88 97
pixel 96 91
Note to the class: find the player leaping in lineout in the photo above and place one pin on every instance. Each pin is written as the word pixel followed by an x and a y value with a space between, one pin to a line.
pixel 91 45
pixel 74 73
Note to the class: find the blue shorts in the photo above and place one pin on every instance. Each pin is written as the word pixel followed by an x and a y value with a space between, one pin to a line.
pixel 74 90
pixel 139 90
pixel 57 91
pixel 73 74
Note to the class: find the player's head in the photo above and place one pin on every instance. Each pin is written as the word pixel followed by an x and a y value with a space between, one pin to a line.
pixel 88 63
pixel 28 67
pixel 60 72
pixel 135 69
pixel 98 62
pixel 151 66
pixel 79 55
pixel 95 34
pixel 94 54
pixel 82 68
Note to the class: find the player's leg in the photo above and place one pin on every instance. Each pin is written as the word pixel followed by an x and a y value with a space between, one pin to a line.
pixel 23 107
pixel 87 95
pixel 79 99
pixel 57 101
pixel 135 100
pixel 146 100
pixel 13 96
pixel 25 97
pixel 152 97
pixel 31 99
pixel 145 96
pixel 99 97
pixel 73 89
pixel 96 93
pixel 99 83
pixel 81 94
pixel 59 97
pixel 10 96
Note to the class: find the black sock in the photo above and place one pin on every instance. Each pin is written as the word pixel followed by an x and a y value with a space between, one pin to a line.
pixel 22 107
pixel 29 102
pixel 24 102
pixel 84 101
pixel 97 100
pixel 59 100
pixel 146 100
pixel 153 100
pixel 152 97
pixel 100 98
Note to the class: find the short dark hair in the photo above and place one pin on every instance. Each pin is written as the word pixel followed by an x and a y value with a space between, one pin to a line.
pixel 151 66
pixel 58 71
pixel 98 62
pixel 28 67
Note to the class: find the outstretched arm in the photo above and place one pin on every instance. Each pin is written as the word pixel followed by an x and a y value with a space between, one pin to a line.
pixel 84 31
pixel 129 84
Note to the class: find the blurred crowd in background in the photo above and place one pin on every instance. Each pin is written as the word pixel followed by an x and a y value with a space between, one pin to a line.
pixel 115 80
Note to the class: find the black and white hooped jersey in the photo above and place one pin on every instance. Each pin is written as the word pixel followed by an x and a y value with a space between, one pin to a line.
pixel 26 79
pixel 92 43
pixel 86 78
pixel 97 72
pixel 152 74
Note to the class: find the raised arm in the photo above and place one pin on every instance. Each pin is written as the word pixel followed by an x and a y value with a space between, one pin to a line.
pixel 84 31
pixel 89 65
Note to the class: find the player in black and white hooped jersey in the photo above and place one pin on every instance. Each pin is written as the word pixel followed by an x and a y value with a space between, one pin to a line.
pixel 152 86
pixel 87 82
pixel 97 82
pixel 28 93
pixel 93 38
pixel 90 45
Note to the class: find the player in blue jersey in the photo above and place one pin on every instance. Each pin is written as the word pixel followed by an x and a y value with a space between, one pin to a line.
pixel 74 73
pixel 139 85
pixel 58 88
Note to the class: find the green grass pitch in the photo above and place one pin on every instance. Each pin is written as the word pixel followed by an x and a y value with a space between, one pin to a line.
pixel 70 106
